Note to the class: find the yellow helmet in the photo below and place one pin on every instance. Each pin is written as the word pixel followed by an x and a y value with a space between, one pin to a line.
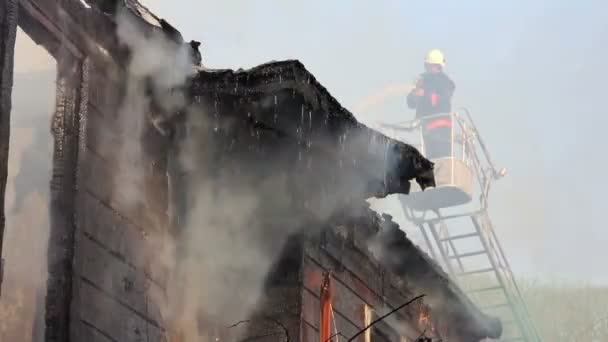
pixel 435 57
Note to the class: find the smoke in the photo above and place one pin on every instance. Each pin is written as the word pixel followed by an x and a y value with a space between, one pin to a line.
pixel 165 64
pixel 27 199
pixel 157 67
pixel 230 230
pixel 27 228
pixel 220 248
pixel 229 218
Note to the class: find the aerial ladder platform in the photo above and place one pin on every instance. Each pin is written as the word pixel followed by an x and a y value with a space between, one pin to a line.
pixel 455 228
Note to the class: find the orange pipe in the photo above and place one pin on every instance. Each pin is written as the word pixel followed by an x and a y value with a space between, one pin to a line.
pixel 325 317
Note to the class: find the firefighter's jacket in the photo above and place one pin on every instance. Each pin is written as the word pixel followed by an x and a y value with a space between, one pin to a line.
pixel 432 95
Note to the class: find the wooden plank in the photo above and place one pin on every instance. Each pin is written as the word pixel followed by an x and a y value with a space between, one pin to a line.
pixel 308 333
pixel 70 83
pixel 345 276
pixel 351 292
pixel 121 281
pixel 106 140
pixel 112 319
pixel 310 314
pixel 281 300
pixel 123 239
pixel 96 264
pixel 344 299
pixel 39 16
pixel 81 331
pixel 335 254
pixel 155 303
pixel 143 202
pixel 98 40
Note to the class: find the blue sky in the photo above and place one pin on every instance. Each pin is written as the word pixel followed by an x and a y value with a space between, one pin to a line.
pixel 532 73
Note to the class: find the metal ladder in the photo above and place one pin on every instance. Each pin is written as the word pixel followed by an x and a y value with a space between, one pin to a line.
pixel 499 295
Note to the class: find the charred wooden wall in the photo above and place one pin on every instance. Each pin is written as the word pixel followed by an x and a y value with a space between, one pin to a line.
pixel 358 280
pixel 116 237
pixel 100 280
pixel 290 309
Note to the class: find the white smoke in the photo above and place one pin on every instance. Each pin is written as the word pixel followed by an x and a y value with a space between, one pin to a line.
pixel 217 256
pixel 157 66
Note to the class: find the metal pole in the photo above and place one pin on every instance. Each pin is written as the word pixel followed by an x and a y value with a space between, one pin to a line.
pixel 441 251
pixel 450 242
pixel 502 256
pixel 480 141
pixel 428 241
pixel 499 277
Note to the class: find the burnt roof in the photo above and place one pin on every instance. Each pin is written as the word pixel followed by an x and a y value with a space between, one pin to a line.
pixel 387 165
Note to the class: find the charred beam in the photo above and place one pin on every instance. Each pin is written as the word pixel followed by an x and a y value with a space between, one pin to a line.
pixel 8 34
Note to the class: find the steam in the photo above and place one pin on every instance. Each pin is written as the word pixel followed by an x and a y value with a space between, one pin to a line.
pixel 219 251
pixel 22 304
pixel 24 285
pixel 227 235
pixel 156 67
pixel 229 225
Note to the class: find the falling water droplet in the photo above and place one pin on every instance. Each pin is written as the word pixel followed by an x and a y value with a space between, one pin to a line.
pixel 310 120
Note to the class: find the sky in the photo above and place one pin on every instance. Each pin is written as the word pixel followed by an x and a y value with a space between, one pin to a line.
pixel 531 72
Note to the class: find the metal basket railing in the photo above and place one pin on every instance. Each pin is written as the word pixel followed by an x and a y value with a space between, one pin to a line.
pixel 466 145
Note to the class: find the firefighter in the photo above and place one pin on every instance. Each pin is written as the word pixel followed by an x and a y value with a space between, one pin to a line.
pixel 432 97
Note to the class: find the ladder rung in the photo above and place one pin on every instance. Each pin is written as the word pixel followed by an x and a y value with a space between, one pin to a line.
pixel 483 270
pixel 456 237
pixel 491 307
pixel 464 255
pixel 484 289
